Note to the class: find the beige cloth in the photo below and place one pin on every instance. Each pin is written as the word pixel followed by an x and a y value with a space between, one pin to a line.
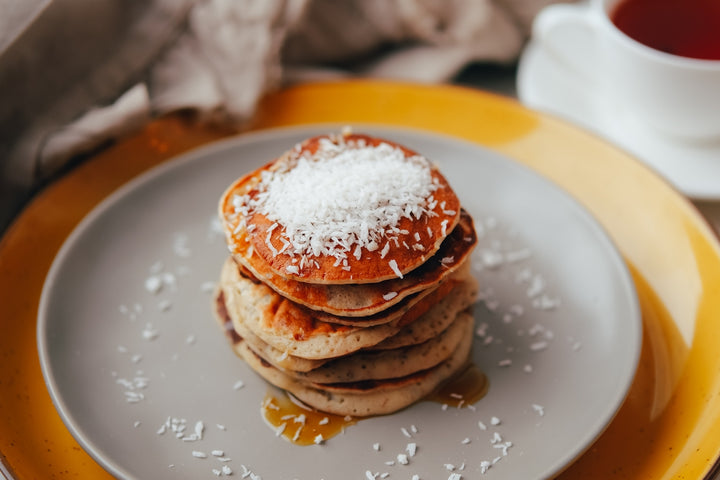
pixel 83 72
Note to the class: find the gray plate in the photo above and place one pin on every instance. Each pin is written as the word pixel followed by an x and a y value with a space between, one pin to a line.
pixel 127 338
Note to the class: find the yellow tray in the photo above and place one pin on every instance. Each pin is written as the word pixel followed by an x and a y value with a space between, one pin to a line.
pixel 669 425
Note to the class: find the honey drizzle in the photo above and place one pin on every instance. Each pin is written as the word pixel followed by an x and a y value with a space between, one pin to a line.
pixel 301 425
pixel 298 423
pixel 467 387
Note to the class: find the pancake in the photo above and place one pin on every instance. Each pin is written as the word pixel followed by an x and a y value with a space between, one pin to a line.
pixel 374 397
pixel 366 300
pixel 404 312
pixel 385 364
pixel 340 209
pixel 392 313
pixel 426 329
pixel 437 318
pixel 274 356
pixel 293 330
pixel 290 328
pixel 407 312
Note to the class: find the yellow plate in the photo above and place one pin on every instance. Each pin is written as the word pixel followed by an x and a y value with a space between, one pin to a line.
pixel 668 427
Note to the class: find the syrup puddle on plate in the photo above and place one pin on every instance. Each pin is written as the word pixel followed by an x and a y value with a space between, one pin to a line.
pixel 304 426
pixel 298 423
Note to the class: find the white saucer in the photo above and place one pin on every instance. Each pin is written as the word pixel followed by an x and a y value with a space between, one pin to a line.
pixel 545 84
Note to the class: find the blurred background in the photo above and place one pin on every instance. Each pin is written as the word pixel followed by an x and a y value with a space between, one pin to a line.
pixel 76 75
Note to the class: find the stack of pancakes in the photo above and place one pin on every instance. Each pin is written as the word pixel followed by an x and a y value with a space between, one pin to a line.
pixel 348 281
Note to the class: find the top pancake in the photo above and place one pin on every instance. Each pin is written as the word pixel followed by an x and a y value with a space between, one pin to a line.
pixel 340 209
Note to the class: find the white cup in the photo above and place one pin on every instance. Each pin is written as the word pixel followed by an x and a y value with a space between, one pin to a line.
pixel 675 95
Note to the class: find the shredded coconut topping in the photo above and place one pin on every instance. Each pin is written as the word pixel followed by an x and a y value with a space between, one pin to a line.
pixel 342 199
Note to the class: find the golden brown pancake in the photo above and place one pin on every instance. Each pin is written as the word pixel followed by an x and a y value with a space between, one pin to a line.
pixel 384 364
pixel 294 330
pixel 274 356
pixel 289 327
pixel 425 330
pixel 437 318
pixel 356 253
pixel 392 313
pixel 373 397
pixel 369 299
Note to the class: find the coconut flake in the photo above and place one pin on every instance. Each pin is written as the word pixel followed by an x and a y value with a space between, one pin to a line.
pixel 394 267
pixel 539 409
pixel 389 296
pixel 411 449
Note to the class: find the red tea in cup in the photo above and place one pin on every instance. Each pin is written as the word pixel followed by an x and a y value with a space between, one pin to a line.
pixel 687 28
